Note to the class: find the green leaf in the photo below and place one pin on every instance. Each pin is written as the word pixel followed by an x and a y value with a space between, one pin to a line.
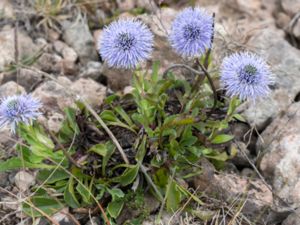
pixel 85 191
pixel 114 208
pixel 69 195
pixel 105 150
pixel 124 115
pixel 141 150
pixel 173 197
pixel 47 205
pixel 100 149
pixel 52 176
pixel 17 163
pixel 239 117
pixel 222 138
pixel 128 176
pixel 116 193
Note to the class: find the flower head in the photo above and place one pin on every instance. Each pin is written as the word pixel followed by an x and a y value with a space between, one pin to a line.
pixel 245 75
pixel 18 108
pixel 192 32
pixel 125 43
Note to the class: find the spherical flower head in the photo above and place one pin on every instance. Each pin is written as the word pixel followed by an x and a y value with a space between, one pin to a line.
pixel 192 32
pixel 126 43
pixel 246 75
pixel 18 108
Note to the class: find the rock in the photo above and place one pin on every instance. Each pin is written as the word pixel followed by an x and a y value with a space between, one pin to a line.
pixel 68 67
pixel 160 25
pixel 94 221
pixel 53 35
pixel 9 203
pixel 285 64
pixel 79 37
pixel 55 97
pixel 166 218
pixel 92 70
pixel 29 78
pixel 6 9
pixel 243 154
pixel 55 121
pixel 291 7
pixel 293 219
pixel 282 20
pixel 4 179
pixel 62 217
pixel 125 5
pixel 64 50
pixel 89 90
pixel 246 172
pixel 280 155
pixel 150 6
pixel 296 30
pixel 24 180
pixel 229 186
pixel 11 88
pixel 26 46
pixel 50 63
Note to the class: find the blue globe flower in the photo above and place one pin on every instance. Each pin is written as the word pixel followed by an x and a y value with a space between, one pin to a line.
pixel 18 108
pixel 192 32
pixel 126 43
pixel 246 75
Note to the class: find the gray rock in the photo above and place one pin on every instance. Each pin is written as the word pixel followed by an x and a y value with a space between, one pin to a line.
pixel 296 29
pixel 285 63
pixel 259 197
pixel 291 6
pixel 24 180
pixel 11 88
pixel 280 155
pixel 79 37
pixel 26 46
pixel 92 70
pixel 125 5
pixel 29 78
pixel 50 63
pixel 55 121
pixel 65 51
pixel 89 90
pixel 55 97
pixel 293 219
pixel 6 9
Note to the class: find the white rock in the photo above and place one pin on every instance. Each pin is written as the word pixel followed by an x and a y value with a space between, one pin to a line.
pixel 54 96
pixel 291 6
pixel 11 88
pixel 78 36
pixel 293 218
pixel 89 90
pixel 24 180
pixel 67 52
pixel 26 46
pixel 6 9
pixel 280 159
pixel 125 5
pixel 55 122
pixel 285 64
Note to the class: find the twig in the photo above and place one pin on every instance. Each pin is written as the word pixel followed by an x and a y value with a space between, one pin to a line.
pixel 108 131
pixel 211 84
pixel 175 66
pixel 66 153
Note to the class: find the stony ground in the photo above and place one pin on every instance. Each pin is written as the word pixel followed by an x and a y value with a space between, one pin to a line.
pixel 61 43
